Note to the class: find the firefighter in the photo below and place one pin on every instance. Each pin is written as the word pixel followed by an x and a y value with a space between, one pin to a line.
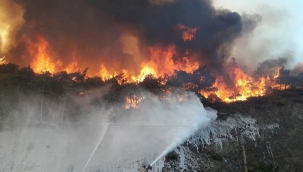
pixel 146 168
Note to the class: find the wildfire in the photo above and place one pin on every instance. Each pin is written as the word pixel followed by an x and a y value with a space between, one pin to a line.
pixel 2 60
pixel 40 52
pixel 43 57
pixel 245 86
pixel 161 63
pixel 43 61
pixel 104 73
pixel 133 101
pixel 277 72
pixel 146 70
pixel 11 19
pixel 187 33
pixel 72 67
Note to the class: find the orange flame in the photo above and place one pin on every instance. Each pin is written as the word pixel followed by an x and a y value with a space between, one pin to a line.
pixel 133 101
pixel 277 72
pixel 42 60
pixel 161 63
pixel 11 20
pixel 43 57
pixel 72 67
pixel 2 60
pixel 188 33
pixel 245 86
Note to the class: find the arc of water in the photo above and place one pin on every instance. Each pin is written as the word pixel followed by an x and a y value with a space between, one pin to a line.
pixel 177 140
pixel 169 148
pixel 96 147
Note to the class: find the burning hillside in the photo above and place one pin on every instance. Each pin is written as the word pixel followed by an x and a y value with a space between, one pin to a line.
pixel 185 42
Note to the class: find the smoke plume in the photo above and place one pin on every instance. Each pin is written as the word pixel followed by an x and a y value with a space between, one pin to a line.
pixel 119 34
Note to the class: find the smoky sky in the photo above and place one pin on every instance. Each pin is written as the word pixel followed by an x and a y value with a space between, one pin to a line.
pixel 91 28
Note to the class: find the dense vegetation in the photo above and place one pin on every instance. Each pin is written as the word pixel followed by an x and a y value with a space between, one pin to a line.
pixel 19 85
pixel 13 78
pixel 16 82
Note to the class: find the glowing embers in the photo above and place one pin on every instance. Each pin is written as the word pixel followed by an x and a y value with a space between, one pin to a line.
pixel 182 97
pixel 133 101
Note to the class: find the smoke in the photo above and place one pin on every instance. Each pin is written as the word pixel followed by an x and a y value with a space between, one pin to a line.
pixel 298 69
pixel 275 32
pixel 93 32
pixel 11 19
pixel 41 134
pixel 121 137
pixel 269 66
pixel 148 131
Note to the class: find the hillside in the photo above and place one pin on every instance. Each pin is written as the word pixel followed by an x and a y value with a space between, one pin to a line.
pixel 57 100
pixel 278 148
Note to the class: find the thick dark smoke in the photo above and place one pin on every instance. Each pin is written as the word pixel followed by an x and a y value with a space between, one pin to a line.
pixel 90 30
pixel 268 66
pixel 156 23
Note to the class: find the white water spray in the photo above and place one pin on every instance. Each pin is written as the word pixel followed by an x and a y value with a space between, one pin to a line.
pixel 169 148
pixel 201 119
pixel 96 147
pixel 98 142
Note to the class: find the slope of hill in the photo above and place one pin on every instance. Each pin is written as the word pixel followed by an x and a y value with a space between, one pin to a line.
pixel 279 117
